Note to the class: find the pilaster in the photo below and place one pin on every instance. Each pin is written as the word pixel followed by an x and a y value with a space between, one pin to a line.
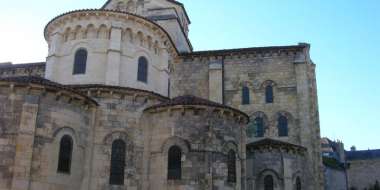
pixel 307 111
pixel 24 145
pixel 216 81
pixel 288 174
pixel 114 57
pixel 51 60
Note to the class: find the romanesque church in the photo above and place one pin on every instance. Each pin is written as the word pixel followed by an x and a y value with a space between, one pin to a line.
pixel 123 102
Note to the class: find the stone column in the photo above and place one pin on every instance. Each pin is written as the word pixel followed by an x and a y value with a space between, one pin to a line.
pixel 114 56
pixel 24 145
pixel 216 81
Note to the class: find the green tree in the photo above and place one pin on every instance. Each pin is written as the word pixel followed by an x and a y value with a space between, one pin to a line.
pixel 376 186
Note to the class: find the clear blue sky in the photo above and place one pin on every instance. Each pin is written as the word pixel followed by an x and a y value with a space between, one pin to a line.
pixel 344 34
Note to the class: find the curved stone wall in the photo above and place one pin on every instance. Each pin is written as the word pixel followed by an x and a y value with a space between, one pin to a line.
pixel 114 42
pixel 34 118
pixel 117 118
pixel 284 162
pixel 205 136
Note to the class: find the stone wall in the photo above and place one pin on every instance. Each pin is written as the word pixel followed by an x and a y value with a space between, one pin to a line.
pixel 335 179
pixel 54 120
pixel 10 115
pixel 363 173
pixel 288 69
pixel 32 124
pixel 256 73
pixel 284 162
pixel 190 77
pixel 118 117
pixel 205 137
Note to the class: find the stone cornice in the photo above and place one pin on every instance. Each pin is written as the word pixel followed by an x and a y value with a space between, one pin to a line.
pixel 59 20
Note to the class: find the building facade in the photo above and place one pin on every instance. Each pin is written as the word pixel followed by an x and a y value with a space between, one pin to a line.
pixel 363 169
pixel 123 102
pixel 353 170
pixel 334 165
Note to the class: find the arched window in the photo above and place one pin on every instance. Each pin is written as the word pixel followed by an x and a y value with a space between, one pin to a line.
pixel 231 166
pixel 269 94
pixel 268 183
pixel 142 73
pixel 298 184
pixel 259 123
pixel 282 126
pixel 65 154
pixel 117 162
pixel 80 62
pixel 245 99
pixel 174 163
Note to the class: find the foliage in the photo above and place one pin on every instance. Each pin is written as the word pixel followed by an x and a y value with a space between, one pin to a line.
pixel 333 163
pixel 376 186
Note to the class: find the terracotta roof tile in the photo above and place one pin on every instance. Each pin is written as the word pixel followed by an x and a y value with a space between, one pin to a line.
pixel 193 100
pixel 246 50
pixel 273 142
pixel 44 82
pixel 101 86
pixel 23 65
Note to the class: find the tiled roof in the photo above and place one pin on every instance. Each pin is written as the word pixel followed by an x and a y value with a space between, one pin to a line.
pixel 363 154
pixel 44 82
pixel 24 65
pixel 195 101
pixel 101 86
pixel 273 142
pixel 222 52
pixel 34 80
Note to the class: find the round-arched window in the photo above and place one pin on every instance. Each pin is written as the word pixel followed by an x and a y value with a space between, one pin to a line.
pixel 80 62
pixel 142 72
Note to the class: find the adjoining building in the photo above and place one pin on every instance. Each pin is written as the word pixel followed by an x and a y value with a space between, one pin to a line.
pixel 364 169
pixel 354 169
pixel 124 102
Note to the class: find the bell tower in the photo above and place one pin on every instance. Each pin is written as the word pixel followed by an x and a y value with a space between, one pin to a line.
pixel 169 14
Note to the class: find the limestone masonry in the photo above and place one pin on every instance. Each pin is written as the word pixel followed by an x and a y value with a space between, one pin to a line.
pixel 124 103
